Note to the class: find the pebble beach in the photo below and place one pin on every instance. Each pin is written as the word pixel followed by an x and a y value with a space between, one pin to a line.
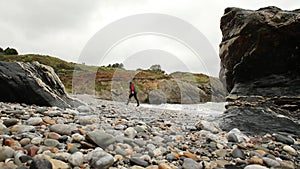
pixel 110 135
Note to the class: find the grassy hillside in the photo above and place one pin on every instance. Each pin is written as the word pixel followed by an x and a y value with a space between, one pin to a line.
pixel 56 63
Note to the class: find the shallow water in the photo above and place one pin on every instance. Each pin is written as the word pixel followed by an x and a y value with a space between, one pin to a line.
pixel 209 109
pixel 178 112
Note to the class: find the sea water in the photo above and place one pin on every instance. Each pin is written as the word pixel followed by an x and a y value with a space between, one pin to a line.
pixel 206 110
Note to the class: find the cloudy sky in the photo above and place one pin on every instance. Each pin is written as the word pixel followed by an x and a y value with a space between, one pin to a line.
pixel 137 33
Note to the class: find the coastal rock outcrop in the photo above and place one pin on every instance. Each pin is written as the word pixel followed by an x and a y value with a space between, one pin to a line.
pixel 33 84
pixel 260 65
pixel 169 90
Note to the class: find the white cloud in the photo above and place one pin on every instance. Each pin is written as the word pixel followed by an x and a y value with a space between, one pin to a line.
pixel 45 27
pixel 62 27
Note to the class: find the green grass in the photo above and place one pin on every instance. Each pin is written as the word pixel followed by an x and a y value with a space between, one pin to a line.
pixel 56 63
pixel 189 77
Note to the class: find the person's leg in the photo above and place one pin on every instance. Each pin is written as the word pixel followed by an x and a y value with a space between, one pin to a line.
pixel 137 101
pixel 129 98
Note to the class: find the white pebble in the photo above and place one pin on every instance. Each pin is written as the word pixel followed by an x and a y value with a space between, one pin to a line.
pixel 289 149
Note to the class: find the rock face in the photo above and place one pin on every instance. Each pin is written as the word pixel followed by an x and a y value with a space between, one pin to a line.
pixel 153 88
pixel 260 65
pixel 33 84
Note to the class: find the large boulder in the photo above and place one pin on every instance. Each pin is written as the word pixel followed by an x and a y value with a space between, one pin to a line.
pixel 260 43
pixel 33 84
pixel 157 97
pixel 260 65
pixel 178 91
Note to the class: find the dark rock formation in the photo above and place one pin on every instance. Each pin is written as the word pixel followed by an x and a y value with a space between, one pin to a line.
pixel 260 65
pixel 33 84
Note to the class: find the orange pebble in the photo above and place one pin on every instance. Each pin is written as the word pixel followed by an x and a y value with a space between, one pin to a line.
pixel 163 166
pixel 190 155
pixel 176 155
pixel 81 131
pixel 11 143
pixel 261 152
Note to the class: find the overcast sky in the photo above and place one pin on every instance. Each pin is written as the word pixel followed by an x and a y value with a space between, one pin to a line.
pixel 71 30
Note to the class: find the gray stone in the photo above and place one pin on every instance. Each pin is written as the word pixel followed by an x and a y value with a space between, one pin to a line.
pixel 140 142
pixel 52 113
pixel 120 127
pixel 270 162
pixel 71 111
pixel 232 138
pixel 140 129
pixel 73 150
pixel 100 159
pixel 296 146
pixel 215 137
pixel 209 126
pixel 121 152
pixel 41 109
pixel 6 152
pixel 36 140
pixel 76 159
pixel 40 163
pixel 130 132
pixel 171 157
pixel 221 153
pixel 64 129
pixel 78 137
pixel 10 122
pixel 51 143
pixel 283 139
pixel 84 120
pixel 34 121
pixel 24 158
pixel 158 139
pixel 84 109
pixel 238 153
pixel 22 129
pixel 3 129
pixel 138 161
pixel 239 135
pixel 189 163
pixel 129 141
pixel 17 156
pixel 100 138
pixel 25 141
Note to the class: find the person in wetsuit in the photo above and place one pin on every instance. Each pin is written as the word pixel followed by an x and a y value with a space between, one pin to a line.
pixel 132 93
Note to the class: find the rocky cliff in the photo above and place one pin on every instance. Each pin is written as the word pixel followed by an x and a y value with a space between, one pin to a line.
pixel 152 87
pixel 260 65
pixel 33 84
